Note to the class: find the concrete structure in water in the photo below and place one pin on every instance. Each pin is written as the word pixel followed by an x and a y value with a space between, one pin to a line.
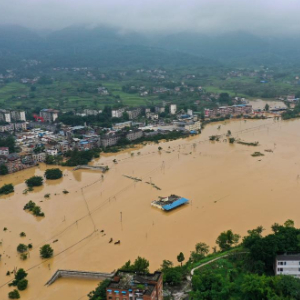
pixel 287 264
pixel 132 286
pixel 169 203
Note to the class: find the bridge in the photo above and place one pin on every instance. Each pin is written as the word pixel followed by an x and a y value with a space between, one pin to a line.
pixel 97 168
pixel 79 274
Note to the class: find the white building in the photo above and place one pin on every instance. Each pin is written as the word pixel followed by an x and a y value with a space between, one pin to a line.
pixel 117 113
pixel 287 264
pixel 49 115
pixel 52 152
pixel 173 109
pixel 18 115
pixel 5 116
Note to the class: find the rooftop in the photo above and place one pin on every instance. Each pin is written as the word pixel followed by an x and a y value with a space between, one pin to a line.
pixel 288 257
pixel 143 283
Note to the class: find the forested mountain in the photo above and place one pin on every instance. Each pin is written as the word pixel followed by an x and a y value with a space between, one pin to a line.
pixel 110 47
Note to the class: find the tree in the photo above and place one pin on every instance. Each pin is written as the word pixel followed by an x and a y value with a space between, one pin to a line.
pixel 172 276
pixel 14 294
pixel 166 264
pixel 227 239
pixel 22 248
pixel 289 223
pixel 202 248
pixel 22 284
pixel 7 189
pixel 100 292
pixel 3 170
pixel 180 258
pixel 34 181
pixel 267 107
pixel 46 251
pixel 141 265
pixel 53 173
pixel 21 274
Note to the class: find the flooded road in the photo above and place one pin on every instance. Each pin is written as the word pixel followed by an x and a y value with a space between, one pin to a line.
pixel 227 188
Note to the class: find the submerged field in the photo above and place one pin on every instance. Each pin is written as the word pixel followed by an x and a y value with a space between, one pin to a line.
pixel 227 188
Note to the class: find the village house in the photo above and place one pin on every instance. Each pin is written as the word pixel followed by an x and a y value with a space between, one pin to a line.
pixel 287 264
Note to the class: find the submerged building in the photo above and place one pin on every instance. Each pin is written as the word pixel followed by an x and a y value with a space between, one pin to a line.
pixel 132 286
pixel 169 203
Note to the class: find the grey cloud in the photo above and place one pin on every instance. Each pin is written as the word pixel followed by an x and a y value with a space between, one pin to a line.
pixel 205 16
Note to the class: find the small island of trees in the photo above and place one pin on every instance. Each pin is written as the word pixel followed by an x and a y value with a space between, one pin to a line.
pixel 34 181
pixel 7 189
pixel 53 174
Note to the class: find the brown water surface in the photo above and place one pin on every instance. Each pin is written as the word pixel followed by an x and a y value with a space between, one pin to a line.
pixel 227 188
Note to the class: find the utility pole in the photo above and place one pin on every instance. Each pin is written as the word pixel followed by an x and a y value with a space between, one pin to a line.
pixel 121 217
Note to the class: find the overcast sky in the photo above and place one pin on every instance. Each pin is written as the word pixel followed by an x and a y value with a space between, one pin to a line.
pixel 208 16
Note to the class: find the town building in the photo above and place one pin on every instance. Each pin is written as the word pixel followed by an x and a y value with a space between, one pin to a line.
pixel 4 150
pixel 287 264
pixel 159 109
pixel 134 134
pixel 134 113
pixel 5 116
pixel 133 286
pixel 18 115
pixel 223 111
pixel 39 157
pixel 109 139
pixel 173 109
pixel 49 115
pixel 117 113
pixel 119 126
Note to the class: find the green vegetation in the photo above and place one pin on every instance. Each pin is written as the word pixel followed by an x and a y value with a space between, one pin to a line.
pixel 180 258
pixel 291 113
pixel 3 170
pixel 248 143
pixel 140 265
pixel 46 251
pixel 100 292
pixel 14 294
pixel 22 234
pixel 32 207
pixel 76 157
pixel 22 248
pixel 34 181
pixel 53 173
pixel 22 284
pixel 7 189
pixel 8 141
pixel 227 239
pixel 257 154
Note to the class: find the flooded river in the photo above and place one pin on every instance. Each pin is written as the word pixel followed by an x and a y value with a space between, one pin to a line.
pixel 227 188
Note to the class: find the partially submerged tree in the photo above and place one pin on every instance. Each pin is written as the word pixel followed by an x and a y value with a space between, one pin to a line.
pixel 46 251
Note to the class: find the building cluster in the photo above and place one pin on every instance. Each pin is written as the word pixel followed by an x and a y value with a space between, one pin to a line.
pixel 12 120
pixel 134 286
pixel 38 139
pixel 222 111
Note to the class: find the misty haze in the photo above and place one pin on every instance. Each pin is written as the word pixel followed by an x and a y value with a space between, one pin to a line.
pixel 149 150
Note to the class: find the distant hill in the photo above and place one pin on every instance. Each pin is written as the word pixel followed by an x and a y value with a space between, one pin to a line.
pixel 110 47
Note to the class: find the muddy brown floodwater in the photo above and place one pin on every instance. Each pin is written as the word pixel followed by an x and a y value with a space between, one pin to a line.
pixel 227 188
